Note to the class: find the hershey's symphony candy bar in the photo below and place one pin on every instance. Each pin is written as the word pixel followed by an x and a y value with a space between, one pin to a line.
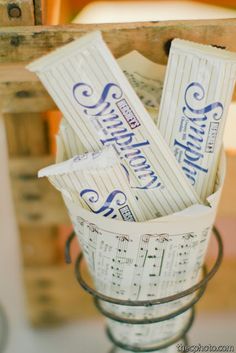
pixel 97 100
pixel 96 181
pixel 197 91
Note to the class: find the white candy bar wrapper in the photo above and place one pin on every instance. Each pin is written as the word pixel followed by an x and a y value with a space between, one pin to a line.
pixel 72 144
pixel 61 154
pixel 95 97
pixel 147 260
pixel 197 92
pixel 95 181
pixel 146 78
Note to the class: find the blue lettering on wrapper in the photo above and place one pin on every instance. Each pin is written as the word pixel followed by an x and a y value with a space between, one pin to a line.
pixel 198 95
pixel 193 146
pixel 114 201
pixel 107 118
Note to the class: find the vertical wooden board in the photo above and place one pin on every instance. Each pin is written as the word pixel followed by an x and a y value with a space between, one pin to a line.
pixel 17 13
pixel 39 245
pixel 10 129
pixel 27 134
pixel 21 91
pixel 24 97
pixel 38 12
pixel 36 201
pixel 54 296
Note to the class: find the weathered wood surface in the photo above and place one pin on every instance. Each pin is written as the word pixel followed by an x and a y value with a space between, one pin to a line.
pixel 20 90
pixel 17 13
pixel 36 201
pixel 27 134
pixel 16 72
pixel 23 44
pixel 20 97
pixel 39 246
pixel 54 296
pixel 38 12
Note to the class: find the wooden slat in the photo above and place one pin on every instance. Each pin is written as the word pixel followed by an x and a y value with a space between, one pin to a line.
pixel 17 13
pixel 16 73
pixel 36 200
pixel 54 296
pixel 23 44
pixel 20 97
pixel 20 90
pixel 37 12
pixel 38 246
pixel 27 134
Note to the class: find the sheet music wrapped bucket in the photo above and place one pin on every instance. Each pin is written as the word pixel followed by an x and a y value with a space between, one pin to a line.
pixel 147 260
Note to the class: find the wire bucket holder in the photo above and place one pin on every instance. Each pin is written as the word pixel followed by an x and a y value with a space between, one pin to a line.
pixel 99 298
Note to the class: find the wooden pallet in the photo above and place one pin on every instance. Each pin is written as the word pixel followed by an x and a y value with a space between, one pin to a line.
pixel 52 293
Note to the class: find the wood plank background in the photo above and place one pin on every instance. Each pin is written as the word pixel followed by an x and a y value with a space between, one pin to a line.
pixel 23 44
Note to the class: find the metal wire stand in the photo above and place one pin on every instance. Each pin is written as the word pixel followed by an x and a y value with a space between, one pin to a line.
pixel 199 288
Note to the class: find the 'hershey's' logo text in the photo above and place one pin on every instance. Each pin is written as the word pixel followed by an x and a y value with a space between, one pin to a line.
pixel 198 122
pixel 107 119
